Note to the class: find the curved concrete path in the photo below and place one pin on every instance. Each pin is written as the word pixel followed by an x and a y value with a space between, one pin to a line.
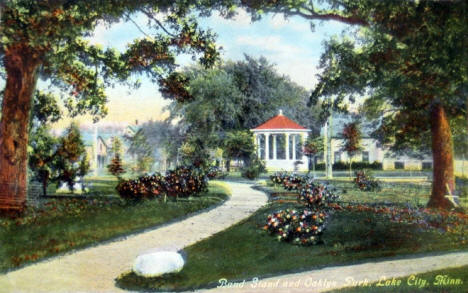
pixel 331 278
pixel 94 269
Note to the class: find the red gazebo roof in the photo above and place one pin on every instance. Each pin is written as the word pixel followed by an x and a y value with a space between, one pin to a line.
pixel 279 122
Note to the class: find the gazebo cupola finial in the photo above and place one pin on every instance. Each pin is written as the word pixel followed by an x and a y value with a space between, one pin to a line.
pixel 280 112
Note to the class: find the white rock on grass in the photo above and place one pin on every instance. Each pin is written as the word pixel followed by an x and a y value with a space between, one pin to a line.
pixel 158 263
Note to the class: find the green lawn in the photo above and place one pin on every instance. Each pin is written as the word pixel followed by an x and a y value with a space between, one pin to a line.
pixel 98 186
pixel 245 251
pixel 448 280
pixel 63 224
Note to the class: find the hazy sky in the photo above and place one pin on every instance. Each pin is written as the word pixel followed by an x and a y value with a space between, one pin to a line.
pixel 288 43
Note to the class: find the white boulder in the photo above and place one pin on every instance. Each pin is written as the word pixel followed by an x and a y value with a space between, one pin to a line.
pixel 158 263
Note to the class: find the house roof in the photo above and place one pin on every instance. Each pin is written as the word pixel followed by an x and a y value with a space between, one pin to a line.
pixel 279 122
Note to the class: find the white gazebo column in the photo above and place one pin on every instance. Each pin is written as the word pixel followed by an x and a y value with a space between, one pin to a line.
pixel 294 147
pixel 303 139
pixel 274 146
pixel 267 146
pixel 287 147
pixel 259 145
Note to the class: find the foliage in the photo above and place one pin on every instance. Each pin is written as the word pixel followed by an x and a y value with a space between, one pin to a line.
pixel 313 146
pixel 239 145
pixel 115 167
pixel 60 159
pixel 306 226
pixel 365 181
pixel 181 182
pixel 341 166
pixel 145 187
pixel 351 138
pixel 52 33
pixel 253 169
pixel 409 60
pixel 194 152
pixel 43 156
pixel 299 227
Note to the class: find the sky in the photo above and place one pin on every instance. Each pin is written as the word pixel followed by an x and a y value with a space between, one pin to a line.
pixel 290 44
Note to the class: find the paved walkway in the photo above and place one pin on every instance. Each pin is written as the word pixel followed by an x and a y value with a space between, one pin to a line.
pixel 94 269
pixel 346 276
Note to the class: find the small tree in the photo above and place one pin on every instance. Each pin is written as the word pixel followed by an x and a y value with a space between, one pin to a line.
pixel 312 147
pixel 115 167
pixel 69 156
pixel 42 156
pixel 352 141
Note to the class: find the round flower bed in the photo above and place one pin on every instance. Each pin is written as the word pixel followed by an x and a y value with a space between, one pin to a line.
pixel 299 227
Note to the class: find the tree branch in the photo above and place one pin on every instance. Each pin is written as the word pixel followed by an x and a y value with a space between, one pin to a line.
pixel 151 16
pixel 137 26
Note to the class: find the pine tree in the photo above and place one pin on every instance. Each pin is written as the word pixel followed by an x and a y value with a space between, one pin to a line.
pixel 115 167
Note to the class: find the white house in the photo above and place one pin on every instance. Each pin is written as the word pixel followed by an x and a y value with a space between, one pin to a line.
pixel 372 151
pixel 279 143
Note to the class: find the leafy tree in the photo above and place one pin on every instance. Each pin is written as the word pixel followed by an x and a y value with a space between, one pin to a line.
pixel 69 156
pixel 43 146
pixel 42 156
pixel 115 167
pixel 409 59
pixel 351 141
pixel 194 152
pixel 47 39
pixel 313 147
pixel 238 145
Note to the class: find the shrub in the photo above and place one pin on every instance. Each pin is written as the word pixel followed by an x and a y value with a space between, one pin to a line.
pixel 254 169
pixel 343 166
pixel 181 182
pixel 142 187
pixel 185 181
pixel 316 196
pixel 365 181
pixel 299 227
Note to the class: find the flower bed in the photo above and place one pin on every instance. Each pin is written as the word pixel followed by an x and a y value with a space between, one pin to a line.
pixel 305 226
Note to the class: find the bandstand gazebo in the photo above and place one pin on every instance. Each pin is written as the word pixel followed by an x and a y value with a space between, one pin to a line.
pixel 279 143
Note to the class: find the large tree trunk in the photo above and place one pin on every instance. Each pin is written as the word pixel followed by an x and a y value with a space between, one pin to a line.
pixel 21 80
pixel 442 153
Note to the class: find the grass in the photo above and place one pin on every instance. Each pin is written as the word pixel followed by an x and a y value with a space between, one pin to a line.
pixel 448 280
pixel 98 186
pixel 64 224
pixel 245 251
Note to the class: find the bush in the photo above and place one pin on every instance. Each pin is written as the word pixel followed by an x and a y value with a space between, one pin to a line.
pixel 185 181
pixel 181 182
pixel 254 169
pixel 342 166
pixel 299 227
pixel 366 182
pixel 142 187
